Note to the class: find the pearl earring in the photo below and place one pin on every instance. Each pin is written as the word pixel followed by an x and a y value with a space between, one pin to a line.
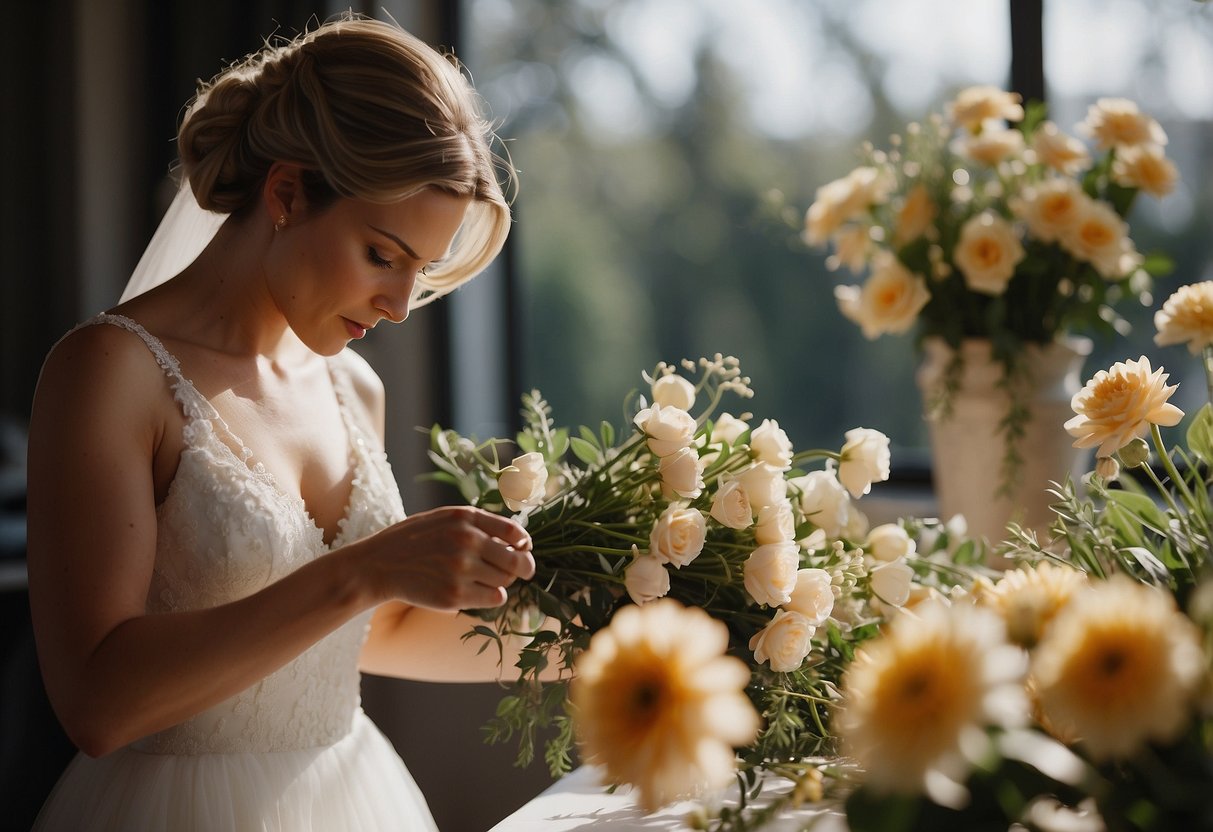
pixel 281 224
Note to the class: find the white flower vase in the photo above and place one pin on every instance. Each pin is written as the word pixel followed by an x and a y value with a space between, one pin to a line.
pixel 967 447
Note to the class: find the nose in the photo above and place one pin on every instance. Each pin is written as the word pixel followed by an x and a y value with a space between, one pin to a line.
pixel 394 302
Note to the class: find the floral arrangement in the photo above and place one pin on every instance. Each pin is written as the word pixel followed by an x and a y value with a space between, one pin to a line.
pixel 1014 234
pixel 769 562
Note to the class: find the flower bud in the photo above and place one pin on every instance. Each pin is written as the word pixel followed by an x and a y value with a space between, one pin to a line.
pixel 1137 452
pixel 1107 468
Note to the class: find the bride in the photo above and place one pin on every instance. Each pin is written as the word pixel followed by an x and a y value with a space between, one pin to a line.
pixel 216 543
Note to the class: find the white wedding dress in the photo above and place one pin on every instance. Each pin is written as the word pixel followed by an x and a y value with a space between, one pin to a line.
pixel 294 752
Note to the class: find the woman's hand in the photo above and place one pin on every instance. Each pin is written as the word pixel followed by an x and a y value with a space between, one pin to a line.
pixel 448 559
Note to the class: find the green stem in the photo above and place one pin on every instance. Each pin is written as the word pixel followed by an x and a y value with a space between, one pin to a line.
pixel 1207 357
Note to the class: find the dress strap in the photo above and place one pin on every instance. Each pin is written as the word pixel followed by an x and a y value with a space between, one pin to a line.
pixel 343 387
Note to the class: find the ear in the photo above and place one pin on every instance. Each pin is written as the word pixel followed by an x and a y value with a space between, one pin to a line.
pixel 282 193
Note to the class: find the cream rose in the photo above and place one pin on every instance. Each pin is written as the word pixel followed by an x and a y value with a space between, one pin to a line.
pixel 769 573
pixel 776 523
pixel 1119 405
pixel 1100 237
pixel 1147 167
pixel 844 199
pixel 851 246
pixel 646 579
pixel 681 475
pixel 727 428
pixel 888 542
pixel 674 391
pixel 987 253
pixel 891 582
pixel 813 596
pixel 1187 318
pixel 1051 208
pixel 771 445
pixel 731 506
pixel 669 429
pixel 915 216
pixel 989 147
pixel 764 485
pixel 785 642
pixel 889 300
pixel 1117 122
pixel 974 106
pixel 1058 151
pixel 824 501
pixel 865 460
pixel 523 483
pixel 678 535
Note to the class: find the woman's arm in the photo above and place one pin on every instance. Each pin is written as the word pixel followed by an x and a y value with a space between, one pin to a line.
pixel 115 673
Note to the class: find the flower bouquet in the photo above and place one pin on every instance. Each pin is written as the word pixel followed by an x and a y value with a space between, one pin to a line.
pixel 1012 235
pixel 714 511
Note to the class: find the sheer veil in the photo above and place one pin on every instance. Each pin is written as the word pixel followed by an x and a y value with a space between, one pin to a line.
pixel 181 236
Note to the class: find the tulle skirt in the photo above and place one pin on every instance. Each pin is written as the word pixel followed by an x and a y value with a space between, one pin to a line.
pixel 358 784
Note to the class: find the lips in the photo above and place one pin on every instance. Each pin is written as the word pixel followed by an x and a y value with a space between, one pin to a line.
pixel 355 329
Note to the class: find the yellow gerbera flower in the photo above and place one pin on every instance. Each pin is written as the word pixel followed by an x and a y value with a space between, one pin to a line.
pixel 1121 665
pixel 1120 404
pixel 659 706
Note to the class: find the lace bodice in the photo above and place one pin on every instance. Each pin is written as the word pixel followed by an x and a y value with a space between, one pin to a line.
pixel 226 530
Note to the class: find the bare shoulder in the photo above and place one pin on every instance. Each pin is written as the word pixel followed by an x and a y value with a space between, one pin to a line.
pixel 367 385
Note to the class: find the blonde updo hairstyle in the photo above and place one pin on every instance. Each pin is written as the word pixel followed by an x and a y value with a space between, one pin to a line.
pixel 369 112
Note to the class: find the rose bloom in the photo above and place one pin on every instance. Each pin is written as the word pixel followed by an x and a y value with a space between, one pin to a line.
pixel 1120 404
pixel 1187 318
pixel 865 460
pixel 672 390
pixel 888 302
pixel 771 445
pixel 678 535
pixel 1147 167
pixel 658 705
pixel 669 429
pixel 764 485
pixel 681 475
pixel 1028 599
pixel 1120 666
pixel 851 245
pixel 930 685
pixel 824 502
pixel 1101 237
pixel 776 523
pixel 523 483
pixel 1058 151
pixel 1051 208
pixel 915 215
pixel 646 579
pixel 989 147
pixel 728 428
pixel 889 541
pixel 785 642
pixel 987 253
pixel 769 573
pixel 731 506
pixel 813 596
pixel 976 105
pixel 891 582
pixel 1117 122
pixel 842 200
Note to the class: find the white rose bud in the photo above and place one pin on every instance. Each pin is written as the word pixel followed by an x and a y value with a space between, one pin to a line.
pixel 681 475
pixel 776 523
pixel 678 535
pixel 731 506
pixel 813 596
pixel 674 391
pixel 770 573
pixel 646 579
pixel 824 502
pixel 763 484
pixel 889 541
pixel 727 428
pixel 865 460
pixel 669 429
pixel 523 483
pixel 891 582
pixel 771 445
pixel 1107 468
pixel 785 642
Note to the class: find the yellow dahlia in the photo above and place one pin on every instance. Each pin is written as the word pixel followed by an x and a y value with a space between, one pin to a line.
pixel 1028 599
pixel 1120 666
pixel 658 705
pixel 1120 404
pixel 930 685
pixel 1147 167
pixel 1187 318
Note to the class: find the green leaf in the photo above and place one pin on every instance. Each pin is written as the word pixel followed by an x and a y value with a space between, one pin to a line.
pixel 1141 506
pixel 1200 435
pixel 560 444
pixel 1150 563
pixel 527 443
pixel 588 435
pixel 1158 265
pixel 608 434
pixel 584 451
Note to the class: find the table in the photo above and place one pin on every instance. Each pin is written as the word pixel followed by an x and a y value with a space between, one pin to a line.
pixel 578 802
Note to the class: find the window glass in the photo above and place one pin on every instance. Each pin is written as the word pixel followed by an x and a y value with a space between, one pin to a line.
pixel 668 150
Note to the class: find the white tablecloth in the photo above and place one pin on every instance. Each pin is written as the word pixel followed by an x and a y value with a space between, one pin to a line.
pixel 578 802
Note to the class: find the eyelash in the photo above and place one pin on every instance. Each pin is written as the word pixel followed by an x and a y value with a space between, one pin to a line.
pixel 381 263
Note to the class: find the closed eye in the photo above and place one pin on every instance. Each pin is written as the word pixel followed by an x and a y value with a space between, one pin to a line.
pixel 377 260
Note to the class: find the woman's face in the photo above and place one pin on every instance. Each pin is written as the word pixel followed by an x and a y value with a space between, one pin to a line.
pixel 335 274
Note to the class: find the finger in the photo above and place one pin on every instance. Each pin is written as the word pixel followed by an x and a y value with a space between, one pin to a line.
pixel 485 597
pixel 502 528
pixel 513 562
